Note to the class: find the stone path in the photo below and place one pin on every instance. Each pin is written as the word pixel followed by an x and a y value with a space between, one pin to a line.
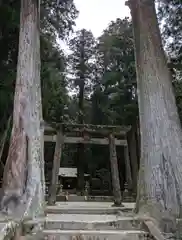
pixel 92 221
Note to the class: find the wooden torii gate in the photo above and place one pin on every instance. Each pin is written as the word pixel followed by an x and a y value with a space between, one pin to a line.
pixel 84 133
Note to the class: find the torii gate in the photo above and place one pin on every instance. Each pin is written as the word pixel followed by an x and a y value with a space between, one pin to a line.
pixel 111 135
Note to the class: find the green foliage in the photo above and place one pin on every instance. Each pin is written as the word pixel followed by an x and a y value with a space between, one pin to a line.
pixel 58 17
pixel 170 16
pixel 115 80
pixel 170 13
pixel 54 93
pixel 80 68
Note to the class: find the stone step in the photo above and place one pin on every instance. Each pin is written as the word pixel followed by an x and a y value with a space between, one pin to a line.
pixel 92 205
pixel 88 208
pixel 118 225
pixel 97 222
pixel 88 222
pixel 95 235
pixel 57 210
pixel 75 198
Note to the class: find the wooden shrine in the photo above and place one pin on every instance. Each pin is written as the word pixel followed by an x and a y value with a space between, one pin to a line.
pixel 89 134
pixel 69 173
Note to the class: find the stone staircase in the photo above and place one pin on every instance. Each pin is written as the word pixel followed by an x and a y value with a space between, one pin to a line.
pixel 89 221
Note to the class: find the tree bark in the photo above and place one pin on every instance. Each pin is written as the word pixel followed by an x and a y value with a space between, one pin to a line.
pixel 114 172
pixel 160 188
pixel 23 180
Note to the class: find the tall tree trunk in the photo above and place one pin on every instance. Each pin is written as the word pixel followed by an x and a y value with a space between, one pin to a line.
pixel 160 188
pixel 23 180
pixel 81 147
